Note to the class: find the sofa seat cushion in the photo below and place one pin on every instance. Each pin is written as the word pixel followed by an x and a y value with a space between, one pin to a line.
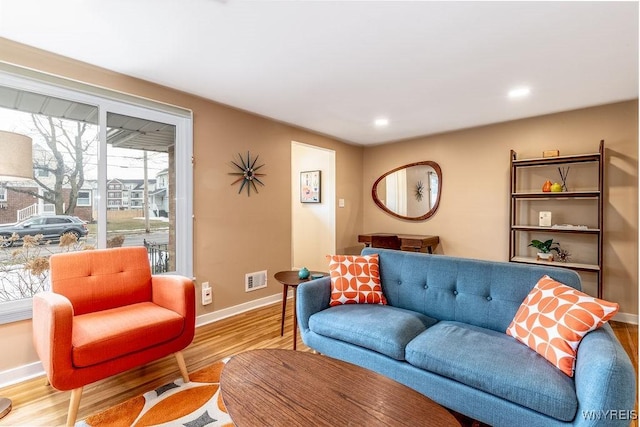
pixel 108 334
pixel 497 364
pixel 380 328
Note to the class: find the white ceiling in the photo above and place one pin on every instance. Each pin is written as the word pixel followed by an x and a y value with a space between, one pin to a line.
pixel 334 67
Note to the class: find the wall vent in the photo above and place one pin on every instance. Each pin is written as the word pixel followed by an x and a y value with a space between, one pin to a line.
pixel 253 281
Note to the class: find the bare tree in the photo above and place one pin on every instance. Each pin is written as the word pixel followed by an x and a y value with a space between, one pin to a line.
pixel 25 272
pixel 65 161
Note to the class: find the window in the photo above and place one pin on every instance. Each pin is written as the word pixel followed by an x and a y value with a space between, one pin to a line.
pixel 119 136
pixel 3 194
pixel 84 198
pixel 57 220
pixel 34 221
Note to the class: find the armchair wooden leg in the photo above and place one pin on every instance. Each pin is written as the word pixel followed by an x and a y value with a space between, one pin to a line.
pixel 182 366
pixel 74 404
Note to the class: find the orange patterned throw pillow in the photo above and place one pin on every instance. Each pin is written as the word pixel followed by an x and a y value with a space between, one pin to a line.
pixel 355 279
pixel 554 317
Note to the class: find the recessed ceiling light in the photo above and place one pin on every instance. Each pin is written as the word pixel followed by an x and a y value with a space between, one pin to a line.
pixel 519 92
pixel 381 122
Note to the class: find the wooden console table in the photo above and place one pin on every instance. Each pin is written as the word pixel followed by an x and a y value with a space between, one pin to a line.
pixel 408 242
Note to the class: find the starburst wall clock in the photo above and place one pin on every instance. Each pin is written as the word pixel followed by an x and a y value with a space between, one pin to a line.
pixel 247 172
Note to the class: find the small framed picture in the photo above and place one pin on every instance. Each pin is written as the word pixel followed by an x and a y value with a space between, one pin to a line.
pixel 310 187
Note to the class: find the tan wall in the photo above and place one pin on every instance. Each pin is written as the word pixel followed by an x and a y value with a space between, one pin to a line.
pixel 473 217
pixel 233 234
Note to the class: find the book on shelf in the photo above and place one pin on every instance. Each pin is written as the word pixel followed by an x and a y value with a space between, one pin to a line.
pixel 569 227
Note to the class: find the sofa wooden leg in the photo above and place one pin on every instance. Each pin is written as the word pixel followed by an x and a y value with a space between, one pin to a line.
pixel 182 366
pixel 74 404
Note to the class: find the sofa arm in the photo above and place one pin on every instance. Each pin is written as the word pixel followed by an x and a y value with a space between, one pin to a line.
pixel 312 297
pixel 605 381
pixel 53 317
pixel 174 292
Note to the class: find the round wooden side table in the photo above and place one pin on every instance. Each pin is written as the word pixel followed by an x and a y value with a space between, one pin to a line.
pixel 291 279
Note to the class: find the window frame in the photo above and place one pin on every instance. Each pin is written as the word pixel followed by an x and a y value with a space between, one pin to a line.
pixel 107 100
pixel 80 201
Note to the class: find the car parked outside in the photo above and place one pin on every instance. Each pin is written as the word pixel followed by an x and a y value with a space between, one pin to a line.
pixel 52 227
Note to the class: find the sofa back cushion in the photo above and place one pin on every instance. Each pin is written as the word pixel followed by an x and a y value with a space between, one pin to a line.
pixel 102 279
pixel 481 293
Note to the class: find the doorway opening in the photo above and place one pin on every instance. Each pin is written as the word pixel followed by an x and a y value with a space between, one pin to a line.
pixel 313 225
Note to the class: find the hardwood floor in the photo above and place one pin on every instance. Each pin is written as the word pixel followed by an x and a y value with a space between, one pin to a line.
pixel 35 403
pixel 628 336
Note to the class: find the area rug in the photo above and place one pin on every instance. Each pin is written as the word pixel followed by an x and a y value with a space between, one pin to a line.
pixel 195 404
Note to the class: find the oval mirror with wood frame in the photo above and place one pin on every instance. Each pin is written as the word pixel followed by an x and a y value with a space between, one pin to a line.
pixel 410 192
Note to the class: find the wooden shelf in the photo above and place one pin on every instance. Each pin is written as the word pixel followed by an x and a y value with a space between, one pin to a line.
pixel 555 230
pixel 521 201
pixel 546 161
pixel 572 265
pixel 593 194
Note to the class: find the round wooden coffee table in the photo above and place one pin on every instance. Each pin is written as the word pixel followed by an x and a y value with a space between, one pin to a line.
pixel 273 387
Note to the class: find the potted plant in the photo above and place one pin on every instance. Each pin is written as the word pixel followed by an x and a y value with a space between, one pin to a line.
pixel 545 249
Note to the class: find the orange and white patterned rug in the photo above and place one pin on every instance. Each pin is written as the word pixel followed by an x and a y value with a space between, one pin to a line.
pixel 195 404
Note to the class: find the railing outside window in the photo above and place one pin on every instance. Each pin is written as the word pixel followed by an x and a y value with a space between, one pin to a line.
pixel 158 256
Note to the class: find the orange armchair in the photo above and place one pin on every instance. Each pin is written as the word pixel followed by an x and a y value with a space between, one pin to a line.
pixel 106 314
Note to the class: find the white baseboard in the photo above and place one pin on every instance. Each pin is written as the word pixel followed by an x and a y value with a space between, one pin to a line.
pixel 20 374
pixel 626 318
pixel 32 370
pixel 205 319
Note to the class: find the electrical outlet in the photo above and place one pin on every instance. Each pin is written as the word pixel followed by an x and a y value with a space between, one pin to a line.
pixel 207 294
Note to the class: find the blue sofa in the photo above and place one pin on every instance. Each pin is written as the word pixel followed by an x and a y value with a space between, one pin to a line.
pixel 443 334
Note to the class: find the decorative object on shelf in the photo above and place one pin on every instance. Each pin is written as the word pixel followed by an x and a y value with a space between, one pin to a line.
pixel 303 273
pixel 545 219
pixel 556 188
pixel 564 172
pixel 419 191
pixel 569 227
pixel 546 187
pixel 551 153
pixel 564 255
pixel 310 187
pixel 545 249
pixel 248 174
